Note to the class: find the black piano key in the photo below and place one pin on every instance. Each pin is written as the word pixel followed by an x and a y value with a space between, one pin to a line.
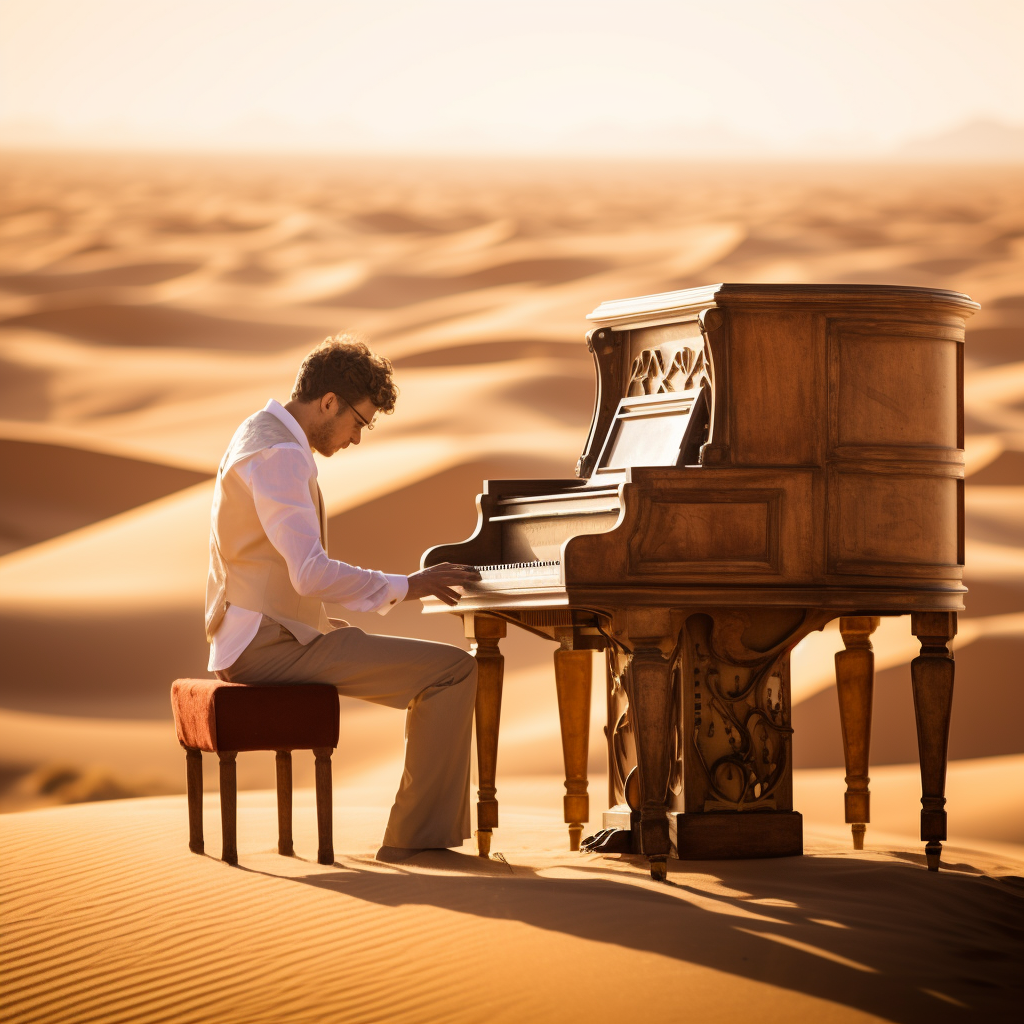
pixel 506 566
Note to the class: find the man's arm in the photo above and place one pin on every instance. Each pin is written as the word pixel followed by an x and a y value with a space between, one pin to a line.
pixel 279 481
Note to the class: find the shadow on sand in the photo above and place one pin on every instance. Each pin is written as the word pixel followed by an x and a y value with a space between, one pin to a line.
pixel 881 936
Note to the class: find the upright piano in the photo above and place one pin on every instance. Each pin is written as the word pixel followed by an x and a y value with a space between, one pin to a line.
pixel 762 459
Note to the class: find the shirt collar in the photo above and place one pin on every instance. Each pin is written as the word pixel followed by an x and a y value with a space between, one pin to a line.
pixel 275 408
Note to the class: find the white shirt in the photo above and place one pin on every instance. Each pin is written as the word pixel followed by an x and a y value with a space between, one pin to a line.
pixel 278 479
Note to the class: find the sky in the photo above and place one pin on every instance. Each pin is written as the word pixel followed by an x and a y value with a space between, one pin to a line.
pixel 783 77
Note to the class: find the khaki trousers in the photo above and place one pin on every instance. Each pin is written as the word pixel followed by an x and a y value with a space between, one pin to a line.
pixel 435 682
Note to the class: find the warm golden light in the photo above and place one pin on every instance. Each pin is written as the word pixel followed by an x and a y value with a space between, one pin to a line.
pixel 654 77
pixel 195 193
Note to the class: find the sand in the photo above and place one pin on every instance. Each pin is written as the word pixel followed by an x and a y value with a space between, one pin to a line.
pixel 109 917
pixel 148 304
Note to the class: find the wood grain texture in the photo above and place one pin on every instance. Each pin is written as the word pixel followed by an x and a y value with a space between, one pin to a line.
pixel 573 677
pixel 855 676
pixel 484 632
pixel 932 674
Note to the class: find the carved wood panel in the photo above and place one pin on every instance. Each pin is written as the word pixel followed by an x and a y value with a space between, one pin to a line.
pixel 671 366
pixel 619 731
pixel 732 732
pixel 738 749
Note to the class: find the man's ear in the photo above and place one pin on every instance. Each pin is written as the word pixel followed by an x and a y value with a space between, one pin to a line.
pixel 329 403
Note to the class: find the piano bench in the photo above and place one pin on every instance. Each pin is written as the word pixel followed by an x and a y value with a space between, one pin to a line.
pixel 225 718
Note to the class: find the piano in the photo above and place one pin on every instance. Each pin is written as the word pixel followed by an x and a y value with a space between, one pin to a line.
pixel 762 460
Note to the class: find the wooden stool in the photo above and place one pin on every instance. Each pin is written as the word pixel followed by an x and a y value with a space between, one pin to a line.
pixel 224 718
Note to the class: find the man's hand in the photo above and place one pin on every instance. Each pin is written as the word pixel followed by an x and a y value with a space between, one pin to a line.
pixel 437 581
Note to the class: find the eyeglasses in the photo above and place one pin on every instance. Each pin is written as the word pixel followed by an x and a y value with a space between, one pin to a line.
pixel 360 419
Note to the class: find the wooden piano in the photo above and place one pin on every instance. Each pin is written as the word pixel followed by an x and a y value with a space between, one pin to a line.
pixel 762 459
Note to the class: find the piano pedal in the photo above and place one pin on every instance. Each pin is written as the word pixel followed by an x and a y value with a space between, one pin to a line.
pixel 591 843
pixel 608 840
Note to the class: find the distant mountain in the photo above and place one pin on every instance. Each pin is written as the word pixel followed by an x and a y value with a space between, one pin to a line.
pixel 980 140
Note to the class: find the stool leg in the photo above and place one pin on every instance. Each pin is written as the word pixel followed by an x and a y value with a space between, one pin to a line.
pixel 194 784
pixel 229 849
pixel 284 803
pixel 324 805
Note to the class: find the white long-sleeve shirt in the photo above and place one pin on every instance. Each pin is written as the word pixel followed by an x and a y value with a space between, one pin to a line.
pixel 278 479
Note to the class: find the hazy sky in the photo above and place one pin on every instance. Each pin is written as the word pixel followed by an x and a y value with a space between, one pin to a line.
pixel 793 76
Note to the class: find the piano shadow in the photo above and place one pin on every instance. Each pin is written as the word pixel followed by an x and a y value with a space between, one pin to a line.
pixel 873 934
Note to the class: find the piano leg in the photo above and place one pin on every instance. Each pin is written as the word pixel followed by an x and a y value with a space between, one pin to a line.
pixel 648 686
pixel 484 632
pixel 573 676
pixel 855 678
pixel 932 677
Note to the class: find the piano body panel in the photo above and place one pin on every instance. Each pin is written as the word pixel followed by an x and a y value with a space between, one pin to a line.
pixel 895 482
pixel 897 520
pixel 777 364
pixel 819 475
pixel 602 601
pixel 692 526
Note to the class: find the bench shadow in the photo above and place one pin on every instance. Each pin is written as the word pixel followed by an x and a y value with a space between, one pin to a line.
pixel 883 937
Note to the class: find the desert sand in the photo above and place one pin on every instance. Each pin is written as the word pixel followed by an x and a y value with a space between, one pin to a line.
pixel 148 304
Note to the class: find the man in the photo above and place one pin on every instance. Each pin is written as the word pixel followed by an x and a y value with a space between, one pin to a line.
pixel 270 575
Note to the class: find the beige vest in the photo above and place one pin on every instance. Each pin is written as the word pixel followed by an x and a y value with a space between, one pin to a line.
pixel 245 568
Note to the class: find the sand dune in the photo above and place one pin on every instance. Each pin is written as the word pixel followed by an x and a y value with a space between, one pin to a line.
pixel 54 489
pixel 1006 468
pixel 147 305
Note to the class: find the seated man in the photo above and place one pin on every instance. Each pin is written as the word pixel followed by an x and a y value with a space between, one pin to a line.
pixel 270 575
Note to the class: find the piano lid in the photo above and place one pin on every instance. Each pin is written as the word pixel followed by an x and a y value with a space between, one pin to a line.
pixel 670 307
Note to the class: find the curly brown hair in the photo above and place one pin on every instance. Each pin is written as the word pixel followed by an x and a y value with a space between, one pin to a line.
pixel 345 366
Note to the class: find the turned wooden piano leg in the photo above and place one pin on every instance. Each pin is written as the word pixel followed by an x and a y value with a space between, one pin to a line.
pixel 611 716
pixel 484 632
pixel 855 679
pixel 932 677
pixel 573 679
pixel 649 690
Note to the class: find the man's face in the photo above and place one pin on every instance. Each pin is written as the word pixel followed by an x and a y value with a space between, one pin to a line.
pixel 339 424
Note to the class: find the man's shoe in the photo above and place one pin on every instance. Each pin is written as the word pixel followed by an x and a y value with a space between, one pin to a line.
pixel 396 854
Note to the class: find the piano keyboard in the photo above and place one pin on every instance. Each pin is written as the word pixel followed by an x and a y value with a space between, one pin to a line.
pixel 517 574
pixel 513 565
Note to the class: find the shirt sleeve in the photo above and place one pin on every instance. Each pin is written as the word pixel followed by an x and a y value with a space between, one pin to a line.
pixel 279 480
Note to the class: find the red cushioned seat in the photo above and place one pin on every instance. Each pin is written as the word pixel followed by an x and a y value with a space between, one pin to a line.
pixel 213 715
pixel 224 718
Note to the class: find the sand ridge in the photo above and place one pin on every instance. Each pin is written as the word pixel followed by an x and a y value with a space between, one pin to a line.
pixel 834 936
